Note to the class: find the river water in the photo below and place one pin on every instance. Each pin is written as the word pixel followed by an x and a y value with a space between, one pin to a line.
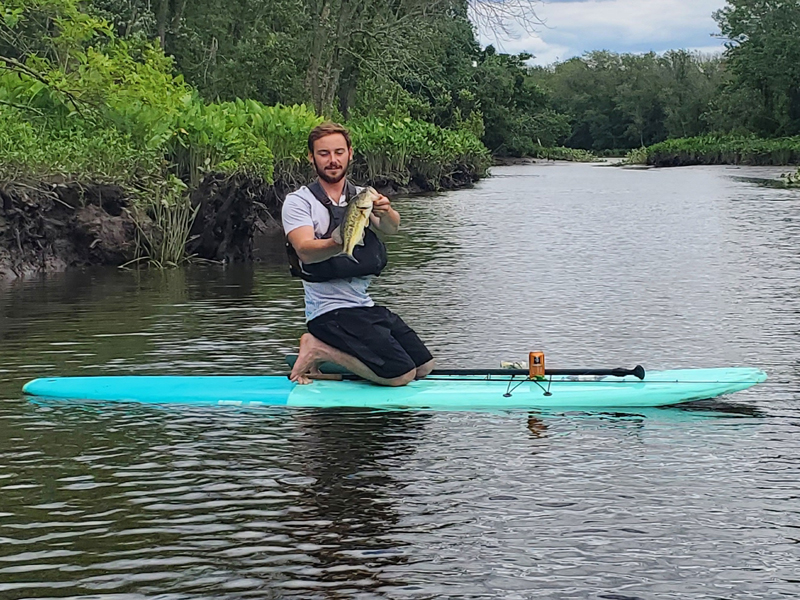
pixel 594 265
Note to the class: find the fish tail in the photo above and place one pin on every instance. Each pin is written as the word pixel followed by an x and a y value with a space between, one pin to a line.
pixel 349 255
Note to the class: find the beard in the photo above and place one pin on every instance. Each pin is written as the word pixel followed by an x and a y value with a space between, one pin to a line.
pixel 326 177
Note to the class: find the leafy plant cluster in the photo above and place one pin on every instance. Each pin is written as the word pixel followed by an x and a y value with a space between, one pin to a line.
pixel 717 150
pixel 403 149
pixel 79 103
pixel 563 153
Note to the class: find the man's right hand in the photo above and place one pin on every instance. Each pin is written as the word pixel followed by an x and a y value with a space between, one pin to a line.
pixel 336 235
pixel 311 250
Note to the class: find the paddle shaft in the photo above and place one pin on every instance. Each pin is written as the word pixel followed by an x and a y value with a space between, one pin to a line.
pixel 637 371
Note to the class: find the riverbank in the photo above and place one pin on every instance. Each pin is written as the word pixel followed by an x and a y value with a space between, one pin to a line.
pixel 51 227
pixel 189 175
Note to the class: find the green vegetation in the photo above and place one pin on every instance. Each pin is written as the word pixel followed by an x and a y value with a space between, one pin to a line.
pixel 357 59
pixel 562 153
pixel 741 107
pixel 155 96
pixel 400 149
pixel 792 179
pixel 720 150
pixel 78 103
pixel 84 83
pixel 753 115
pixel 618 101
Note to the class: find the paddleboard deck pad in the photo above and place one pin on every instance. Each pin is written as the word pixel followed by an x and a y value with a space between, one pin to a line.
pixel 441 392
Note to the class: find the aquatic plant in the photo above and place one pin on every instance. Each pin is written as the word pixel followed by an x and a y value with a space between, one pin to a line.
pixel 562 153
pixel 718 150
pixel 404 149
pixel 171 213
pixel 791 179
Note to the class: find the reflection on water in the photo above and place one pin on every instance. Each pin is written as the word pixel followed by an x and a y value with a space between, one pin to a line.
pixel 594 265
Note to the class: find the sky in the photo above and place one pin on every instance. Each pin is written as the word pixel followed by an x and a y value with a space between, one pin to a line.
pixel 572 27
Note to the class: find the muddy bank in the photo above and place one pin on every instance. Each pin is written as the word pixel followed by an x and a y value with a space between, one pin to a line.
pixel 237 214
pixel 55 226
pixel 234 213
pixel 512 161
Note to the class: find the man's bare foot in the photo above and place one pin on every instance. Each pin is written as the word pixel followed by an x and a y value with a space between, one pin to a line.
pixel 310 376
pixel 306 363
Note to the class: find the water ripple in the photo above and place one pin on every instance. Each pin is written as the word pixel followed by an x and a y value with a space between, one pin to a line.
pixel 597 266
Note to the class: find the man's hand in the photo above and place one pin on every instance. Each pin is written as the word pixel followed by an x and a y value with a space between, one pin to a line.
pixel 336 235
pixel 384 217
pixel 381 206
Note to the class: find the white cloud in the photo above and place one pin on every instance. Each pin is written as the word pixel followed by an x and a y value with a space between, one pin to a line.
pixel 572 28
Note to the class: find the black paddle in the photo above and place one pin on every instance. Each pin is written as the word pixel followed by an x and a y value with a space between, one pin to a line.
pixel 637 371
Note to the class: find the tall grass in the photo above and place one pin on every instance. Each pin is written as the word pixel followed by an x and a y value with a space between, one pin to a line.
pixel 402 149
pixel 719 150
pixel 562 153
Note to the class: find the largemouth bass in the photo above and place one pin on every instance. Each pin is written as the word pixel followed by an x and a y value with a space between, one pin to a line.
pixel 356 220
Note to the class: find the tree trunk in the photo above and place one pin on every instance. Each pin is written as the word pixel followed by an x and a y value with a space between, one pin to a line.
pixel 328 51
pixel 347 91
pixel 162 16
pixel 180 5
pixel 319 44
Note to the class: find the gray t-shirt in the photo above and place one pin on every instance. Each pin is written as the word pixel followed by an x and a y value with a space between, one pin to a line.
pixel 300 209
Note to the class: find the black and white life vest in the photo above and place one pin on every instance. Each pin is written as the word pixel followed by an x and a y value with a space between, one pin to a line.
pixel 371 256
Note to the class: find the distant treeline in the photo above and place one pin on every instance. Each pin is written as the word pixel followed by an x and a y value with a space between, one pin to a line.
pixel 420 59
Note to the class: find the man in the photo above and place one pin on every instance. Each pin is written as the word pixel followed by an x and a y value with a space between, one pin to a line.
pixel 345 326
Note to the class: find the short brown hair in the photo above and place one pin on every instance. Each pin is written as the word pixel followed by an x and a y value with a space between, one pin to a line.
pixel 324 129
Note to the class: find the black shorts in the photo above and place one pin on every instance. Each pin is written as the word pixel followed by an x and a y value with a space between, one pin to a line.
pixel 375 336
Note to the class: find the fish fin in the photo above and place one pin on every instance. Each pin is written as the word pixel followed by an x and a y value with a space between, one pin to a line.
pixel 350 256
pixel 361 241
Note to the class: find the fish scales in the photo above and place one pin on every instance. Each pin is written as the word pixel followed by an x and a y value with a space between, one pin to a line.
pixel 356 220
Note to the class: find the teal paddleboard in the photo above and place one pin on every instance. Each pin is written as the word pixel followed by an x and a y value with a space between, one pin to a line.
pixel 441 392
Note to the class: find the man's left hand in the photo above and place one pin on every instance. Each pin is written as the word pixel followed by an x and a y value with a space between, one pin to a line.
pixel 381 206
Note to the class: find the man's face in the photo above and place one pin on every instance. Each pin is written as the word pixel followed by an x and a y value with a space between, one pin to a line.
pixel 331 157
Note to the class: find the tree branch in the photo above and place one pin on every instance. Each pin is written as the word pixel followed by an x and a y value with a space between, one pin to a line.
pixel 16 66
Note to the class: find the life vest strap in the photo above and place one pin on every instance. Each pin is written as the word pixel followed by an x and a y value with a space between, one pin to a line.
pixel 295 266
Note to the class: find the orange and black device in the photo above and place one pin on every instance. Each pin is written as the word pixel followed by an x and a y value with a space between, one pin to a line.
pixel 536 365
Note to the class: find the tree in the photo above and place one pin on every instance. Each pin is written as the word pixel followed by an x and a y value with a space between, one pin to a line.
pixel 517 111
pixel 690 82
pixel 763 54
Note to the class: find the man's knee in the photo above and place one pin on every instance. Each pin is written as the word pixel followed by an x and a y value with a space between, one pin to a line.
pixel 307 339
pixel 402 380
pixel 425 369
